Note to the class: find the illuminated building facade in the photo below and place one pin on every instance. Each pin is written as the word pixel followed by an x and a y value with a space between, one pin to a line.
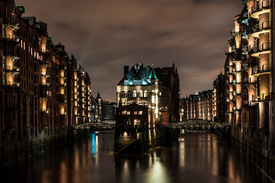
pixel 37 88
pixel 198 106
pixel 156 88
pixel 140 86
pixel 249 75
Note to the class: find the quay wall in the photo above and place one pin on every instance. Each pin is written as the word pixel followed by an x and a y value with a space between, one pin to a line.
pixel 259 152
pixel 21 144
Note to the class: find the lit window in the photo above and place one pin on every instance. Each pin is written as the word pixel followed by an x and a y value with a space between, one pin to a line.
pixel 140 93
pixel 135 113
pixel 145 93
pixel 134 93
pixel 62 90
pixel 140 113
pixel 153 99
pixel 128 112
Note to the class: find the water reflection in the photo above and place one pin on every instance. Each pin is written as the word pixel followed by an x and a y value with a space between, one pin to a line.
pixel 196 157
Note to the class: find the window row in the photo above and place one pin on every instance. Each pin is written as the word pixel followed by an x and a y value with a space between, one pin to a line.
pixel 134 94
pixel 129 112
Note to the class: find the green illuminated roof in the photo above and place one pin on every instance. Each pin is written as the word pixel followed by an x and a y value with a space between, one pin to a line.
pixel 153 74
pixel 37 26
pixel 21 9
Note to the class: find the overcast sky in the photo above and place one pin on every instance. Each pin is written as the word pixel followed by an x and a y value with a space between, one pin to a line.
pixel 105 35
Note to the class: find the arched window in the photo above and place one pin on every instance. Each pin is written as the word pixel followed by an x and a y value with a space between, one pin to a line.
pixel 122 94
pixel 134 93
pixel 140 93
pixel 145 93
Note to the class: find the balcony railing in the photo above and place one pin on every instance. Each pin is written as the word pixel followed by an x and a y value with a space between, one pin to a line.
pixel 12 37
pixel 263 27
pixel 265 68
pixel 260 7
pixel 262 47
pixel 262 97
pixel 12 68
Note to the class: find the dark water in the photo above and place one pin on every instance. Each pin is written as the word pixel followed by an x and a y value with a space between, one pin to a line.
pixel 197 157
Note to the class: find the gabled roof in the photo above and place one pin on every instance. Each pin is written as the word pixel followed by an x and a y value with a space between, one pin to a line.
pixel 137 75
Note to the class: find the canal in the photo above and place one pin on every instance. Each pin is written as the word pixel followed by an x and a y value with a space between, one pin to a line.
pixel 197 157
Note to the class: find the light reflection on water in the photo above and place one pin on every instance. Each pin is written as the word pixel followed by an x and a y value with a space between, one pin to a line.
pixel 196 157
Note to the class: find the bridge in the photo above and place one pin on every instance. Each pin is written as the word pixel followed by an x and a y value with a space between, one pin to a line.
pixel 190 124
pixel 94 126
pixel 199 124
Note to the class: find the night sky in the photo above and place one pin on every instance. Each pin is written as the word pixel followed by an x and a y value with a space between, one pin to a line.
pixel 105 35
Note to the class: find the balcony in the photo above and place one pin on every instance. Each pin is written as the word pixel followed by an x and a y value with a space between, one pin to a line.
pixel 264 27
pixel 263 48
pixel 259 9
pixel 262 98
pixel 44 51
pixel 11 37
pixel 15 82
pixel 15 69
pixel 259 70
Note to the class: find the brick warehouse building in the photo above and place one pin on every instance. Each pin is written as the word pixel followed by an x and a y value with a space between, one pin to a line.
pixel 249 74
pixel 43 92
pixel 198 106
pixel 156 88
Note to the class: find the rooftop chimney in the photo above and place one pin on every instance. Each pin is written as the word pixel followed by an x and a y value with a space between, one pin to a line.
pixel 126 69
